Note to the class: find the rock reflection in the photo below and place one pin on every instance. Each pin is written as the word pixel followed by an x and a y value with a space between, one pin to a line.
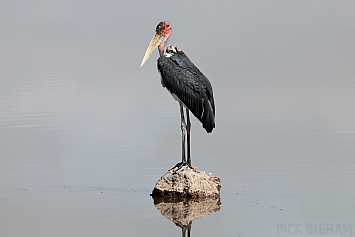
pixel 183 211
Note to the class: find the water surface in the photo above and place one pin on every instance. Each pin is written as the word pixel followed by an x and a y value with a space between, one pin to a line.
pixel 86 133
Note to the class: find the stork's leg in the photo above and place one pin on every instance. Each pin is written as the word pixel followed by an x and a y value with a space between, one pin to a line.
pixel 188 127
pixel 183 143
pixel 186 229
pixel 183 131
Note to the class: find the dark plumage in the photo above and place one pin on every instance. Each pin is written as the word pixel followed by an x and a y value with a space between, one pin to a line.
pixel 183 79
pixel 186 84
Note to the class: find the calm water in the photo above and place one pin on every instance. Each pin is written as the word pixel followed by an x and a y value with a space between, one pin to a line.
pixel 86 133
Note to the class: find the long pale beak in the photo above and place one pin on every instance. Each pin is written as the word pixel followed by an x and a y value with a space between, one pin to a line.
pixel 154 43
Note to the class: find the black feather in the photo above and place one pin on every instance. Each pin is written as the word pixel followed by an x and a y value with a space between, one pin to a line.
pixel 182 78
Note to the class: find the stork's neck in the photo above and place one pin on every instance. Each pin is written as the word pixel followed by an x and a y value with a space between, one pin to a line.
pixel 161 46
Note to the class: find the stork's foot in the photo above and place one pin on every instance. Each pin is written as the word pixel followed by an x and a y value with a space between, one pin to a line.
pixel 180 165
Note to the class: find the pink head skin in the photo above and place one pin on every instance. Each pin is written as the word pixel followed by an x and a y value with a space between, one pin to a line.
pixel 159 40
pixel 163 29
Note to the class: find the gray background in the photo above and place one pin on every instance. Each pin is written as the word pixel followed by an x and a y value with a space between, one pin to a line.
pixel 86 133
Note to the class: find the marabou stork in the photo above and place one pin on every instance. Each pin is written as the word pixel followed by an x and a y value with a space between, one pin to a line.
pixel 185 82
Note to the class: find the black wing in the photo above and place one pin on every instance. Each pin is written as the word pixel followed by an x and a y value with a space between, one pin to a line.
pixel 182 78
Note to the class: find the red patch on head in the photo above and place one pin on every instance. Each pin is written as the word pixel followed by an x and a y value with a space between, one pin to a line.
pixel 167 29
pixel 163 27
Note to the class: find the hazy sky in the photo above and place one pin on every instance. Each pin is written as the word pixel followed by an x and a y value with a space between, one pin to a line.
pixel 251 35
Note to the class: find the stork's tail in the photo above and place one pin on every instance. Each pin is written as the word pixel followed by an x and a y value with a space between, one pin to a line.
pixel 208 120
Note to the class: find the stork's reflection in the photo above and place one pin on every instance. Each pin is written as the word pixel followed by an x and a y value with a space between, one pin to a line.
pixel 183 211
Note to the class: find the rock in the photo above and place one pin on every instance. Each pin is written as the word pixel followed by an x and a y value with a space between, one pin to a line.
pixel 187 183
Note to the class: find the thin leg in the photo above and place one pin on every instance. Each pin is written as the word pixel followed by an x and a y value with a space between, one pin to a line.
pixel 189 230
pixel 183 143
pixel 186 229
pixel 183 131
pixel 188 128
